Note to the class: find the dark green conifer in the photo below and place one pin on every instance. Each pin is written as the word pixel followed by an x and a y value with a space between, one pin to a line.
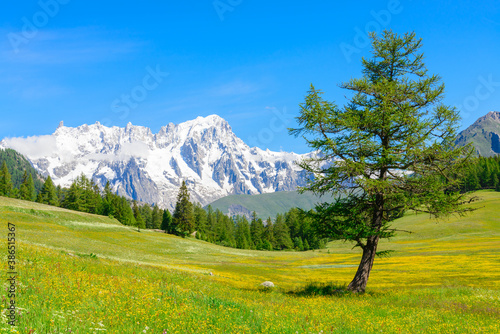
pixel 6 188
pixel 183 218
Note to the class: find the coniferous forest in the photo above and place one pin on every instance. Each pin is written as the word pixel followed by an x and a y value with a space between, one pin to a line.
pixel 292 230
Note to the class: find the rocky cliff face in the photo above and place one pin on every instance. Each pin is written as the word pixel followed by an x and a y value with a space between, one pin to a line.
pixel 149 167
pixel 484 135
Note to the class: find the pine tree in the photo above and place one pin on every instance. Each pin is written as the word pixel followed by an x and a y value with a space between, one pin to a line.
pixel 200 218
pixel 210 234
pixel 147 215
pixel 27 190
pixel 256 231
pixel 48 195
pixel 139 221
pixel 269 234
pixel 472 179
pixel 157 217
pixel 494 181
pixel 6 188
pixel 292 220
pixel 61 193
pixel 31 188
pixel 74 199
pixel 299 245
pixel 123 211
pixel 224 230
pixel 166 223
pixel 282 233
pixel 94 198
pixel 242 235
pixel 108 208
pixel 183 218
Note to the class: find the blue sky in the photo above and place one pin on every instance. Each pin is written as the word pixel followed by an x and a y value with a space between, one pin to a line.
pixel 249 61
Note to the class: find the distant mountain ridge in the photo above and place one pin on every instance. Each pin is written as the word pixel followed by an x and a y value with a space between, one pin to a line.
pixel 484 134
pixel 149 167
pixel 268 205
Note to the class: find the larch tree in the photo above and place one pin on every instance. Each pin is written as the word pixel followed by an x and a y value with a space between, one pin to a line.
pixel 390 149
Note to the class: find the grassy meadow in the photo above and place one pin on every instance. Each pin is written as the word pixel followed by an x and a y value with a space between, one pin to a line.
pixel 80 273
pixel 268 205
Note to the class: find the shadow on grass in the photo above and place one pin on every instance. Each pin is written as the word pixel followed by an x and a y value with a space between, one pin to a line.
pixel 325 289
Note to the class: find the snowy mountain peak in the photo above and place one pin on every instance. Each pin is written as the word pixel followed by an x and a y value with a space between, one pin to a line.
pixel 149 167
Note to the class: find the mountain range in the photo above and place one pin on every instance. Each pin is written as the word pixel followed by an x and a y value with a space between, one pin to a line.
pixel 483 134
pixel 204 152
pixel 150 167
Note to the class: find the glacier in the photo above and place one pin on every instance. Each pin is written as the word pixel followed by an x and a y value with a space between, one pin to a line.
pixel 150 167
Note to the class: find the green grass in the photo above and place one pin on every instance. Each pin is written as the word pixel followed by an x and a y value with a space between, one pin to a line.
pixel 86 273
pixel 268 205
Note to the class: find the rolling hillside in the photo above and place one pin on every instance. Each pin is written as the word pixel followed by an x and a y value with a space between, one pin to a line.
pixel 73 268
pixel 267 205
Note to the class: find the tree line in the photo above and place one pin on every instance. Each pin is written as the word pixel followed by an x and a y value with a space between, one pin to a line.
pixel 483 173
pixel 293 230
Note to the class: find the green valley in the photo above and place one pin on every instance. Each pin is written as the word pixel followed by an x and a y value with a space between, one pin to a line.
pixel 83 273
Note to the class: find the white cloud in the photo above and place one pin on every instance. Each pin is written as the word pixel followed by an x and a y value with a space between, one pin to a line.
pixel 127 150
pixel 135 149
pixel 33 147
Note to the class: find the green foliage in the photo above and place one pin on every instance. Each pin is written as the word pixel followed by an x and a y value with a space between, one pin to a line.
pixel 269 234
pixel 282 234
pixel 166 223
pixel 461 295
pixel 224 230
pixel 257 231
pixel 157 217
pixel 183 217
pixel 84 195
pixel 48 194
pixel 298 243
pixel 17 164
pixel 269 205
pixel 482 173
pixel 200 218
pixel 242 234
pixel 27 190
pixel 387 150
pixel 117 207
pixel 147 215
pixel 139 221
pixel 6 188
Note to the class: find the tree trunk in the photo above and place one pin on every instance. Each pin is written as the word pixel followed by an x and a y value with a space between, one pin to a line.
pixel 358 284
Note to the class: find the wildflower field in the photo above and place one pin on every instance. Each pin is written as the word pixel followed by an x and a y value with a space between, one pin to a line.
pixel 80 273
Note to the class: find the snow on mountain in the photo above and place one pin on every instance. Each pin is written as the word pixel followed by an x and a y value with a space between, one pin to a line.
pixel 149 167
